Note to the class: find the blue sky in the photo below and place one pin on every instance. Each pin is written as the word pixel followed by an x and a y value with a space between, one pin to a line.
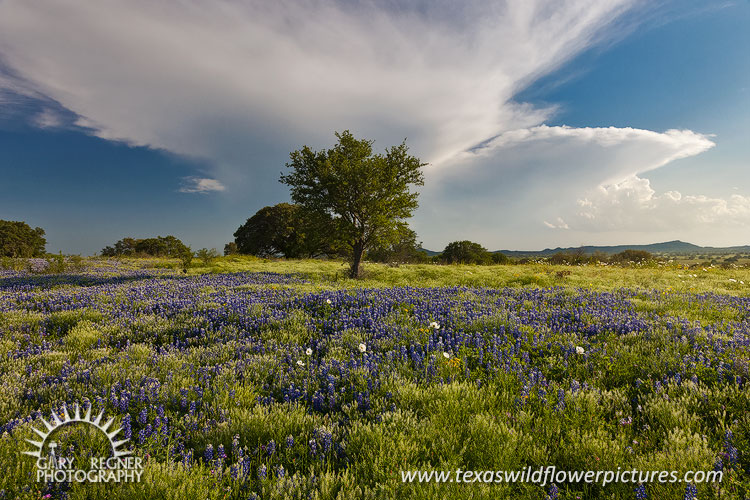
pixel 545 123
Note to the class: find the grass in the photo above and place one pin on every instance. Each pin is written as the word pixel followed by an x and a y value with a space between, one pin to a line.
pixel 412 367
pixel 666 277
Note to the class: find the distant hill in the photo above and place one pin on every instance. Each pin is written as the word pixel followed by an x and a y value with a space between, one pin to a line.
pixel 431 253
pixel 675 247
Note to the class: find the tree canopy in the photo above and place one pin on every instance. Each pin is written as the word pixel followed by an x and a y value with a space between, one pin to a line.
pixel 285 229
pixel 18 239
pixel 161 246
pixel 366 195
pixel 465 252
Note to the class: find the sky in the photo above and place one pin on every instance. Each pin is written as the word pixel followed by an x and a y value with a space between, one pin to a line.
pixel 544 123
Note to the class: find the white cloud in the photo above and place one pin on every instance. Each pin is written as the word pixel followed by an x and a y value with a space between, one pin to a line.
pixel 200 185
pixel 633 205
pixel 219 80
pixel 627 151
pixel 240 84
pixel 528 177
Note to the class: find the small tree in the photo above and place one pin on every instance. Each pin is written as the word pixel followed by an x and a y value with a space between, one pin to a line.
pixel 230 248
pixel 207 256
pixel 366 195
pixel 465 252
pixel 186 258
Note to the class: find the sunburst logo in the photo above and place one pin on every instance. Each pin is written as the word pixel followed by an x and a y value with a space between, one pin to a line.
pixel 53 467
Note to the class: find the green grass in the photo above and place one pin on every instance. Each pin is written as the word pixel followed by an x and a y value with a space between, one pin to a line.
pixel 468 416
pixel 667 277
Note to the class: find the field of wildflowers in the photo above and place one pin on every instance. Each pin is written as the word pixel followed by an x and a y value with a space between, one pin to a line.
pixel 283 380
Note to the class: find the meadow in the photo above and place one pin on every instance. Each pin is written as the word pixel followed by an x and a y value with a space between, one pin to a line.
pixel 256 379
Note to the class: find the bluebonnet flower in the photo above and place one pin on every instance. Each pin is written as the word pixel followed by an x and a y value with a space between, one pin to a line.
pixel 554 493
pixel 691 492
pixel 640 492
pixel 126 428
pixel 560 406
pixel 730 451
pixel 327 440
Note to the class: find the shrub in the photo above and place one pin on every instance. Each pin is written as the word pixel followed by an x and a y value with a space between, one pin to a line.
pixel 56 264
pixel 637 256
pixel 206 255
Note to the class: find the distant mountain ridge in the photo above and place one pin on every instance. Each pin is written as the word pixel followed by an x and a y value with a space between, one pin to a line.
pixel 675 247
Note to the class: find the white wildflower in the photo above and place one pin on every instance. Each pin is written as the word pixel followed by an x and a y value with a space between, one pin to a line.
pixel 435 325
pixel 580 350
pixel 300 363
pixel 362 348
pixel 308 351
pixel 446 355
pixel 328 301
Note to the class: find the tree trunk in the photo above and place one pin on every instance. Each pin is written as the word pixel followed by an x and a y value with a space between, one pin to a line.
pixel 357 251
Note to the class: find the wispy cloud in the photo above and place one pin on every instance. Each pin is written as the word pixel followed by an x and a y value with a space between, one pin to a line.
pixel 48 118
pixel 216 80
pixel 200 185
pixel 558 224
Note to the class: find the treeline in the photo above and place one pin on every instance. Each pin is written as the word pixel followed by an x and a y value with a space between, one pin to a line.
pixel 468 252
pixel 161 246
pixel 19 240
pixel 579 258
pixel 288 231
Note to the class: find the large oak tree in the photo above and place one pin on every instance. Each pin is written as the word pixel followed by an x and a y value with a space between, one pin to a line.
pixel 366 195
pixel 284 229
